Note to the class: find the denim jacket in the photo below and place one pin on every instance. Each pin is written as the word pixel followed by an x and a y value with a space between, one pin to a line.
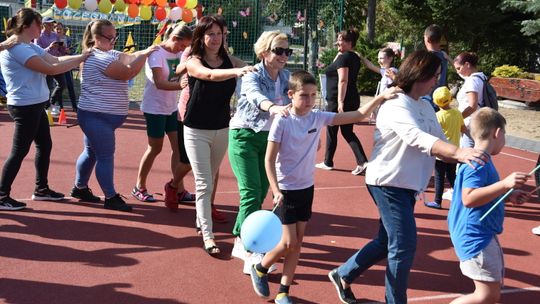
pixel 256 88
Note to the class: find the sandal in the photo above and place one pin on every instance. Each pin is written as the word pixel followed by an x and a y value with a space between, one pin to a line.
pixel 142 195
pixel 212 250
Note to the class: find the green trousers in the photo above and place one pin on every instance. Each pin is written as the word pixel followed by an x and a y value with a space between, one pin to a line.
pixel 246 155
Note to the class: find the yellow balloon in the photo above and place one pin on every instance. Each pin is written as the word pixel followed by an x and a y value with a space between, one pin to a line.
pixel 75 4
pixel 145 12
pixel 105 6
pixel 119 5
pixel 191 4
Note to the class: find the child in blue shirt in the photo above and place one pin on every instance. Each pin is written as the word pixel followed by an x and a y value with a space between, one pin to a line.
pixel 475 192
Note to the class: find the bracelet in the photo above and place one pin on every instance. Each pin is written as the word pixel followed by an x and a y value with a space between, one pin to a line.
pixel 268 110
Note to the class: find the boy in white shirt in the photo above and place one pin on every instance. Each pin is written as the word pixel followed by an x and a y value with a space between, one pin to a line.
pixel 290 158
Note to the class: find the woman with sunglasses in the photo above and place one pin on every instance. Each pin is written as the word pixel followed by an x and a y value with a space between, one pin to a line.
pixel 159 105
pixel 263 94
pixel 212 81
pixel 24 67
pixel 342 95
pixel 103 107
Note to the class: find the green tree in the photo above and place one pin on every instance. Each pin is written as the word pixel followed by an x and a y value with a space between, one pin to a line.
pixel 530 27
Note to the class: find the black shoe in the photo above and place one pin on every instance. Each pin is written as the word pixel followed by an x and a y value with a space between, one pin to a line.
pixel 117 203
pixel 84 195
pixel 345 295
pixel 46 194
pixel 7 203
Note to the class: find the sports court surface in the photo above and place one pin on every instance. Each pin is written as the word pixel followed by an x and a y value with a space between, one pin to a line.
pixel 71 252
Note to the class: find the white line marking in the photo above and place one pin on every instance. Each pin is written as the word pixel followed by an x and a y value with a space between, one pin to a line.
pixel 520 157
pixel 455 295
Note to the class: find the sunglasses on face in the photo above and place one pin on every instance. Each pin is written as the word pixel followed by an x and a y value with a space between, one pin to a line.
pixel 111 39
pixel 280 51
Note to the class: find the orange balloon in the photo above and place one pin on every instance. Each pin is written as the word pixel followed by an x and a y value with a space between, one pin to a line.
pixel 161 3
pixel 146 2
pixel 187 16
pixel 133 10
pixel 180 3
pixel 60 3
pixel 160 13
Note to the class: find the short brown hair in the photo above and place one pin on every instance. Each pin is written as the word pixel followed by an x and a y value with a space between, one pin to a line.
pixel 433 33
pixel 484 121
pixel 351 35
pixel 299 79
pixel 418 66
pixel 465 57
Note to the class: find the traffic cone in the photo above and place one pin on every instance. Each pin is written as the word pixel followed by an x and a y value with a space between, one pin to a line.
pixel 49 117
pixel 62 118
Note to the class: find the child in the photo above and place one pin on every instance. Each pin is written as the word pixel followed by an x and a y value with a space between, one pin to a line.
pixel 387 71
pixel 290 156
pixel 432 41
pixel 452 124
pixel 475 192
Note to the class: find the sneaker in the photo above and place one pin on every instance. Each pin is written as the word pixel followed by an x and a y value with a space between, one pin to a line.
pixel 433 205
pixel 536 230
pixel 142 195
pixel 170 197
pixel 46 194
pixel 345 295
pixel 84 195
pixel 238 250
pixel 359 169
pixel 117 203
pixel 9 204
pixel 251 259
pixel 447 195
pixel 260 282
pixel 323 166
pixel 218 216
pixel 185 197
pixel 283 298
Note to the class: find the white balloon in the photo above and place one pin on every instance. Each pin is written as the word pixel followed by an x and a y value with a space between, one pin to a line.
pixel 175 14
pixel 90 5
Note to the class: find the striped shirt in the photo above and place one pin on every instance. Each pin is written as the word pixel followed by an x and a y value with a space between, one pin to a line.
pixel 100 93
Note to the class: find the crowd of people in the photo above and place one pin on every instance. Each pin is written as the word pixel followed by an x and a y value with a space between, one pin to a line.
pixel 272 139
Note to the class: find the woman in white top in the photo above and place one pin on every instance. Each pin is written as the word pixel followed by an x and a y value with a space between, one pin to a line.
pixel 407 139
pixel 103 107
pixel 470 95
pixel 24 67
pixel 159 106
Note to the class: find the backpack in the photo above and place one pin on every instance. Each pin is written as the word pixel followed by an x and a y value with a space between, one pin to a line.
pixel 489 95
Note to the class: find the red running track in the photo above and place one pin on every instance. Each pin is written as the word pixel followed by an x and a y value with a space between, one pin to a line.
pixel 70 252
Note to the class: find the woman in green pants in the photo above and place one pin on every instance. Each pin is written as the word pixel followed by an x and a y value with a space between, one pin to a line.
pixel 263 94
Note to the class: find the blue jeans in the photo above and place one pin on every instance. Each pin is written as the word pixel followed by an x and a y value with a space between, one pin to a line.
pixel 396 241
pixel 99 146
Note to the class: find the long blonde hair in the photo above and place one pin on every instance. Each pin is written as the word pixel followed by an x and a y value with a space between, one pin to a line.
pixel 92 29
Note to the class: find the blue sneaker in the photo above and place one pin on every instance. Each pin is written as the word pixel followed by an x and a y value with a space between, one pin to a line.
pixel 260 283
pixel 283 298
pixel 433 205
pixel 345 295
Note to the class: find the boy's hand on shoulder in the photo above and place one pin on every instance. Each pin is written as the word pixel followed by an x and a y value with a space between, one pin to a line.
pixel 518 197
pixel 515 180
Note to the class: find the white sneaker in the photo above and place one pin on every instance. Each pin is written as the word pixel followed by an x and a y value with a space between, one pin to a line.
pixel 323 166
pixel 447 195
pixel 536 230
pixel 238 250
pixel 359 169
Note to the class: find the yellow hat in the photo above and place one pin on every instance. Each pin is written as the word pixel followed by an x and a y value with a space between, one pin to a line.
pixel 442 96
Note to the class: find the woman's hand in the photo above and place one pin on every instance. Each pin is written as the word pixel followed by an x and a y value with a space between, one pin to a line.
pixel 8 43
pixel 244 70
pixel 150 49
pixel 281 110
pixel 470 155
pixel 391 92
pixel 86 53
pixel 390 74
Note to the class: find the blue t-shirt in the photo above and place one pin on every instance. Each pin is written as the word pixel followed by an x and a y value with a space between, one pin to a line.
pixel 24 86
pixel 468 234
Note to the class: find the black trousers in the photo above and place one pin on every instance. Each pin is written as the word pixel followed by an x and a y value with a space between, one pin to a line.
pixel 353 141
pixel 443 170
pixel 31 125
pixel 57 89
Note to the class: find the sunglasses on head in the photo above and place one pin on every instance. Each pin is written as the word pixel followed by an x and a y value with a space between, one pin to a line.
pixel 280 51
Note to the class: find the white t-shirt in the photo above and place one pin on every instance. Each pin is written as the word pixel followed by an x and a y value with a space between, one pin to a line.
pixel 406 130
pixel 24 86
pixel 298 137
pixel 385 80
pixel 156 101
pixel 471 84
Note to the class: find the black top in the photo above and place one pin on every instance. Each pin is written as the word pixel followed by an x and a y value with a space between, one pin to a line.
pixel 352 98
pixel 208 105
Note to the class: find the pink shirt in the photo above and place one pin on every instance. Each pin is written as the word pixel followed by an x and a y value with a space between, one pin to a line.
pixel 184 94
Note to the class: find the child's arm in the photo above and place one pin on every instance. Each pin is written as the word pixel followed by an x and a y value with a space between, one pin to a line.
pixel 364 111
pixel 270 166
pixel 369 64
pixel 476 197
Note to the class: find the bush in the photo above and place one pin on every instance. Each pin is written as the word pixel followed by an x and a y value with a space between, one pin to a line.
pixel 508 71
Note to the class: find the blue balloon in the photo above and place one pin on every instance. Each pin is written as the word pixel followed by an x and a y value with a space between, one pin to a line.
pixel 261 231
